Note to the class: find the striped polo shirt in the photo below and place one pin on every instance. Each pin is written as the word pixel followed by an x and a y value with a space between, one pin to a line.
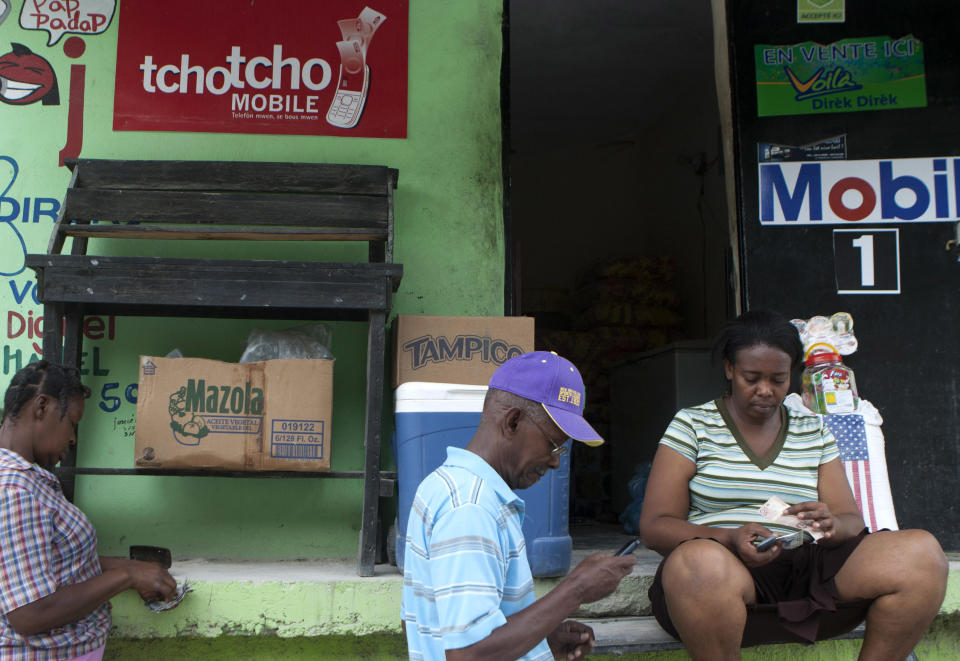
pixel 731 482
pixel 45 544
pixel 465 564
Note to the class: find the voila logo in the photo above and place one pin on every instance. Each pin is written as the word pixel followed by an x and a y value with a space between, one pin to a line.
pixel 822 82
pixel 429 349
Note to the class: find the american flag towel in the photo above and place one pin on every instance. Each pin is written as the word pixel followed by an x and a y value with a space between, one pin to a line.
pixel 861 446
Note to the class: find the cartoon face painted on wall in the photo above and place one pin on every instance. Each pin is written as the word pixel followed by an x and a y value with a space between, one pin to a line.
pixel 27 78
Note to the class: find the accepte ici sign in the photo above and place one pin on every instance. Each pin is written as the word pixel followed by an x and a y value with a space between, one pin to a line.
pixel 294 67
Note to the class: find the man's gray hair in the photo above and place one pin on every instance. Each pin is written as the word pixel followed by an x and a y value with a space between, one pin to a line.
pixel 504 400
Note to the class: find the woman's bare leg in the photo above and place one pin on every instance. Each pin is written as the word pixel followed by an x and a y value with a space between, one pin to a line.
pixel 707 590
pixel 905 573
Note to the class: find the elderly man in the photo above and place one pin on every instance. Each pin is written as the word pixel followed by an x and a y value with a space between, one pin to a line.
pixel 467 586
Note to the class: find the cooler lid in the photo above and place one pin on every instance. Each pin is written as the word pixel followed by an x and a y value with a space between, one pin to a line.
pixel 414 396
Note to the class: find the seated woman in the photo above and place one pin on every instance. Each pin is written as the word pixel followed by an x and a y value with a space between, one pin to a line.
pixel 54 588
pixel 716 464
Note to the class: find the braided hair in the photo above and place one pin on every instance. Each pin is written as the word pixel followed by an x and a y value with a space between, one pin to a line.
pixel 759 327
pixel 43 378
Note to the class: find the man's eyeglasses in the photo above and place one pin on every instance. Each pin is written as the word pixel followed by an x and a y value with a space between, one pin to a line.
pixel 558 450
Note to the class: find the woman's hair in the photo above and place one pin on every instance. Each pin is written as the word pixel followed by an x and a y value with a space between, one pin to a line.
pixel 759 327
pixel 43 378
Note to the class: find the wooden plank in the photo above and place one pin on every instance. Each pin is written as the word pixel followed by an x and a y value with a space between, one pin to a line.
pixel 389 247
pixel 177 232
pixel 225 208
pixel 178 270
pixel 52 331
pixel 235 176
pixel 260 269
pixel 72 355
pixel 369 528
pixel 56 238
pixel 71 287
pixel 293 314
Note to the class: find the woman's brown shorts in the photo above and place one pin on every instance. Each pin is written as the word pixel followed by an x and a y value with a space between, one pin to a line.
pixel 797 599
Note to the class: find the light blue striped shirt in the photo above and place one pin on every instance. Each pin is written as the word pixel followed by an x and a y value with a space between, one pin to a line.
pixel 465 562
pixel 731 482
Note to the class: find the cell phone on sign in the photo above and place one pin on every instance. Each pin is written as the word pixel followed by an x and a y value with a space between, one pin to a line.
pixel 629 547
pixel 352 86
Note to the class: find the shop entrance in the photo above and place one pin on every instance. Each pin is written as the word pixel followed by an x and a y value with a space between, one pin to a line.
pixel 618 240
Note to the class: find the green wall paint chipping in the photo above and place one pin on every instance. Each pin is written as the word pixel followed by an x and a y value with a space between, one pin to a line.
pixel 255 608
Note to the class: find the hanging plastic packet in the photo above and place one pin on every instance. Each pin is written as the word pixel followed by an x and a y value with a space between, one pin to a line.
pixel 836 332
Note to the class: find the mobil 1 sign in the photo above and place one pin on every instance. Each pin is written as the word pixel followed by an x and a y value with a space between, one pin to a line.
pixel 867 261
pixel 889 190
pixel 882 192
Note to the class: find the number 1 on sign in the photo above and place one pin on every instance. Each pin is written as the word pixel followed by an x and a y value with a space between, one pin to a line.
pixel 865 243
pixel 878 253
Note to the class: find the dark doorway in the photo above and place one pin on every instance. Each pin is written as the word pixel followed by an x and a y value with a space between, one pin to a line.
pixel 617 207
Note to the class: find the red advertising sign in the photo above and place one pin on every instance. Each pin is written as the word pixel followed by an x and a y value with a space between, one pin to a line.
pixel 337 67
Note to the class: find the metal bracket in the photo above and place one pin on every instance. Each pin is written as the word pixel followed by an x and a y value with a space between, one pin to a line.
pixel 955 242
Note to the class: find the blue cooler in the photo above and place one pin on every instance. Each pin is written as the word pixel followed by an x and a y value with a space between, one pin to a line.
pixel 432 416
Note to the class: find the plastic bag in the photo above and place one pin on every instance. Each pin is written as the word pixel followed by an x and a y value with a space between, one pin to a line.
pixel 630 517
pixel 308 341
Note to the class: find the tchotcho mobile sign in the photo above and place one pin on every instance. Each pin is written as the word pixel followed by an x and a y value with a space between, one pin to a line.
pixel 296 67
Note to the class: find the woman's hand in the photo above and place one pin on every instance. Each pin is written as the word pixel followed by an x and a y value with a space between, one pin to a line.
pixel 71 602
pixel 742 540
pixel 815 513
pixel 152 581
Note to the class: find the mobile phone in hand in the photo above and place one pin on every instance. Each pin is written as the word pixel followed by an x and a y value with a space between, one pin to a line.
pixel 789 541
pixel 765 543
pixel 629 546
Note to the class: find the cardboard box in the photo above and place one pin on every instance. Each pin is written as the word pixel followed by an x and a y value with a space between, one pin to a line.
pixel 198 413
pixel 456 349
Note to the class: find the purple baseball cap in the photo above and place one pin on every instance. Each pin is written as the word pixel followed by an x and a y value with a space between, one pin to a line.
pixel 545 377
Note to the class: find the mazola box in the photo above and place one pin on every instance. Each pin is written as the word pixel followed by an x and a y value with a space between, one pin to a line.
pixel 198 413
pixel 456 349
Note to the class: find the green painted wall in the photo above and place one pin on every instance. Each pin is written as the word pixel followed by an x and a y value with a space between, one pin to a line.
pixel 449 237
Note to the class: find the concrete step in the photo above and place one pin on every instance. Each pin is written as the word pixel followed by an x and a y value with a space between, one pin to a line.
pixel 630 635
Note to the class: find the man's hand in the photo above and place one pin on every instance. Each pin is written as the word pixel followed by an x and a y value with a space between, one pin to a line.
pixel 571 640
pixel 599 575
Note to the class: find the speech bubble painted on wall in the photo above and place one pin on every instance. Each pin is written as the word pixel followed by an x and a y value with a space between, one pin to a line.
pixel 57 17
